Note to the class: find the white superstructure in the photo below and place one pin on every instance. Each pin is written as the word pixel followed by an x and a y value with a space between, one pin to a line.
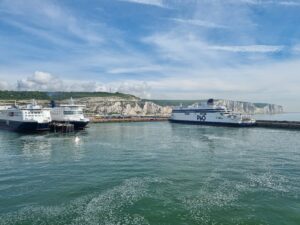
pixel 31 117
pixel 210 114
pixel 70 113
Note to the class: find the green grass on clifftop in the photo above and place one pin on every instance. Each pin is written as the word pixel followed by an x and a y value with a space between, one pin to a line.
pixel 39 95
pixel 173 102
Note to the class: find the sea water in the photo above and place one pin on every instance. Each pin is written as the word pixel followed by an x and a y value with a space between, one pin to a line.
pixel 151 173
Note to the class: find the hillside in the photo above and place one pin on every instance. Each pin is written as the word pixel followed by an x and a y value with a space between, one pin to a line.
pixel 104 103
pixel 39 95
pixel 237 106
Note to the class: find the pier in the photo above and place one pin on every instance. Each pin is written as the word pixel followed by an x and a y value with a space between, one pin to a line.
pixel 127 119
pixel 259 123
pixel 278 124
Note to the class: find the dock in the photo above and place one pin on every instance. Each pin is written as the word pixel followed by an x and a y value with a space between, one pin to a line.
pixel 259 123
pixel 127 119
pixel 61 127
pixel 278 124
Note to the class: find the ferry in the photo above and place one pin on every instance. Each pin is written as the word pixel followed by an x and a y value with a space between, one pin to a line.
pixel 69 113
pixel 210 114
pixel 28 118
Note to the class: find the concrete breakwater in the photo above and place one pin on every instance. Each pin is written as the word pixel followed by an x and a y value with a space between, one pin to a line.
pixel 126 119
pixel 66 127
pixel 259 123
pixel 278 124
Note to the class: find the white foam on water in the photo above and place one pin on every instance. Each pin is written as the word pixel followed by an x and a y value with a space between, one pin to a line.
pixel 107 208
pixel 270 181
pixel 214 137
pixel 32 138
pixel 209 199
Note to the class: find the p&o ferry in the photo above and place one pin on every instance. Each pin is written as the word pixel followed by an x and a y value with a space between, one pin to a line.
pixel 210 114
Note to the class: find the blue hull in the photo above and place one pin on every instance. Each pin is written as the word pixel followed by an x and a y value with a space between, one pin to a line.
pixel 27 127
pixel 214 123
pixel 78 125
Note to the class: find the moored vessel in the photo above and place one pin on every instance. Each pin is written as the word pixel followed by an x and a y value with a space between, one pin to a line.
pixel 28 118
pixel 210 114
pixel 69 113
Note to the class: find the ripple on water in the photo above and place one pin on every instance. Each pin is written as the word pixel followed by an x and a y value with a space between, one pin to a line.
pixel 105 208
pixel 269 181
pixel 202 206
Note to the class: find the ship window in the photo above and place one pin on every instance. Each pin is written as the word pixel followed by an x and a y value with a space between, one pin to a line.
pixel 72 112
pixel 186 113
pixel 69 113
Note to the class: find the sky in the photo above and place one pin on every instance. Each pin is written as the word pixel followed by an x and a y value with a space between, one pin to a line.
pixel 246 50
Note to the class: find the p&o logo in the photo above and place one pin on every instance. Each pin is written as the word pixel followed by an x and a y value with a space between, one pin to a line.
pixel 201 117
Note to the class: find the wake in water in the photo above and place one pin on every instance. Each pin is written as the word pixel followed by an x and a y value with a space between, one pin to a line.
pixel 106 208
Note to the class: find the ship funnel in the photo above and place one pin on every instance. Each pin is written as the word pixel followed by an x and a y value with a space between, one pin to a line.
pixel 52 104
pixel 33 102
pixel 210 101
pixel 71 101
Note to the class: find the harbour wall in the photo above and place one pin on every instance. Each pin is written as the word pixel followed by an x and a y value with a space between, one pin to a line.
pixel 278 124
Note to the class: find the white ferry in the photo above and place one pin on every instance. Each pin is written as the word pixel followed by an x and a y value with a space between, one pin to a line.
pixel 29 118
pixel 69 113
pixel 210 114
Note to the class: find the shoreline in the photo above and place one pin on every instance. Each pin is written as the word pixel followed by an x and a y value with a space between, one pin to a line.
pixel 130 119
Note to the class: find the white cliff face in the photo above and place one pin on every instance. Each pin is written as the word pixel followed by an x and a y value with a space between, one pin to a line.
pixel 152 108
pixel 250 108
pixel 137 107
pixel 126 107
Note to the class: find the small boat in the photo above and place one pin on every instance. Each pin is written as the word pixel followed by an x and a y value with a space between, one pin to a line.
pixel 29 118
pixel 210 114
pixel 69 113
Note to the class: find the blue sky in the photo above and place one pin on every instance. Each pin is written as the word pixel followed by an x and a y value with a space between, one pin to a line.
pixel 181 49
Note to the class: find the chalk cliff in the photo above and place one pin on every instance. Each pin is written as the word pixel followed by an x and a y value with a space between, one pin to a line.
pixel 250 108
pixel 135 106
pixel 127 107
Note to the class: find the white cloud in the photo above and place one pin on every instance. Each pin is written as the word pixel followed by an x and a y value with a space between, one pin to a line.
pixel 296 48
pixel 4 86
pixel 43 17
pixel 142 69
pixel 89 86
pixel 137 88
pixel 176 46
pixel 249 48
pixel 200 23
pixel 273 82
pixel 197 53
pixel 194 84
pixel 273 2
pixel 158 3
pixel 289 3
pixel 193 62
pixel 40 81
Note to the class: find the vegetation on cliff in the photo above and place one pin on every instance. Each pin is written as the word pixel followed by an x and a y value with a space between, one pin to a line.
pixel 119 103
pixel 39 95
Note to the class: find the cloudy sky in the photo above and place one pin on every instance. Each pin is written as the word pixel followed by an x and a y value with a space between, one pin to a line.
pixel 163 49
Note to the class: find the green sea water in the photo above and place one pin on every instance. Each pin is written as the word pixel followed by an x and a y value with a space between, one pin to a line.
pixel 151 173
